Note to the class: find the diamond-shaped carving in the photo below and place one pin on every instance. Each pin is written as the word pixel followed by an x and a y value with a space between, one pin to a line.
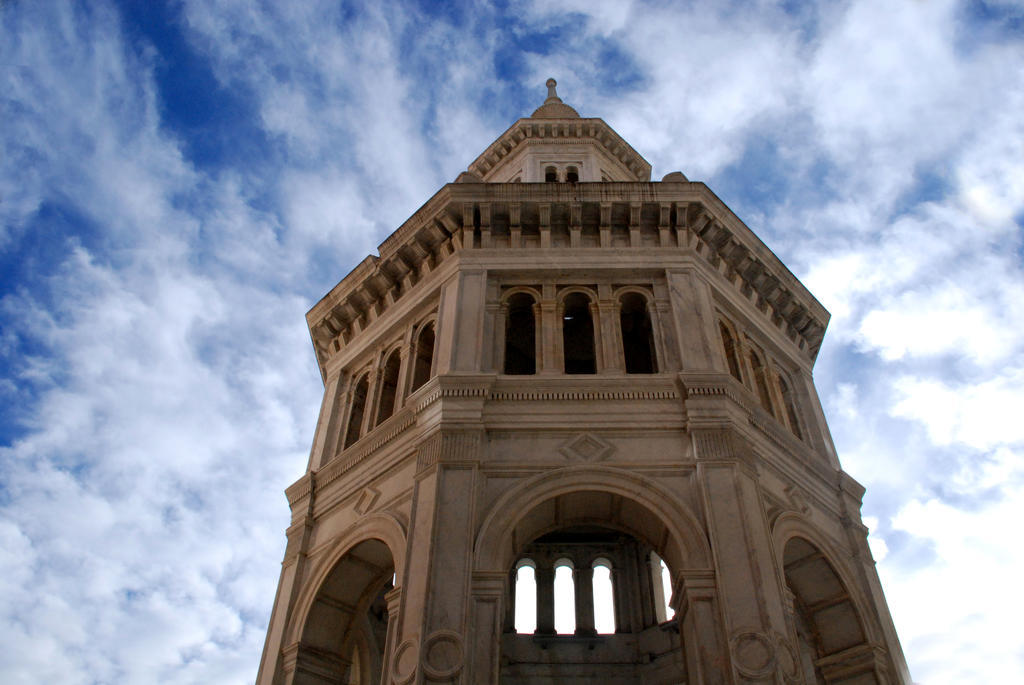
pixel 587 447
pixel 366 499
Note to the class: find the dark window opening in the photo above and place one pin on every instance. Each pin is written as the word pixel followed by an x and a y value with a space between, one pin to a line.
pixel 355 416
pixel 572 175
pixel 520 336
pixel 637 334
pixel 787 400
pixel 550 175
pixel 389 387
pixel 578 335
pixel 761 382
pixel 730 352
pixel 423 367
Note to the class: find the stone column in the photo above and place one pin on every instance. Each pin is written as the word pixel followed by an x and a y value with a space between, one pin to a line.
pixel 583 586
pixel 325 442
pixel 755 614
pixel 607 321
pixel 432 635
pixel 545 578
pixel 489 589
pixel 705 647
pixel 460 322
pixel 550 333
pixel 693 317
pixel 280 651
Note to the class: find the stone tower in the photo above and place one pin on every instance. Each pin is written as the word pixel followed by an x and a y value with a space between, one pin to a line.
pixel 559 374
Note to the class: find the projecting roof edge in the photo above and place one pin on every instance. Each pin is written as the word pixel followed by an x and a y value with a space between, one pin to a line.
pixel 438 229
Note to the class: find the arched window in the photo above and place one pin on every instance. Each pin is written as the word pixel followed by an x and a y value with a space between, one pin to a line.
pixel 565 598
pixel 520 336
pixel 578 335
pixel 355 416
pixel 761 382
pixel 423 366
pixel 526 597
pixel 604 598
pixel 389 387
pixel 790 405
pixel 550 175
pixel 637 335
pixel 731 358
pixel 572 175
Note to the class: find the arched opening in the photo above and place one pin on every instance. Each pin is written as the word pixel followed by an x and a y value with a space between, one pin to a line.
pixel 525 599
pixel 355 415
pixel 521 336
pixel 790 405
pixel 572 174
pixel 345 633
pixel 423 365
pixel 578 335
pixel 761 382
pixel 826 620
pixel 731 357
pixel 550 175
pixel 389 387
pixel 592 623
pixel 637 334
pixel 604 597
pixel 565 598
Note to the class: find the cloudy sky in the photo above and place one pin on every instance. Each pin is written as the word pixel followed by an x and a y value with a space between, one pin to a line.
pixel 180 182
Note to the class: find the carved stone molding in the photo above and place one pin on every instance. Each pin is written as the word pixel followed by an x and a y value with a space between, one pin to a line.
pixel 586 447
pixel 443 655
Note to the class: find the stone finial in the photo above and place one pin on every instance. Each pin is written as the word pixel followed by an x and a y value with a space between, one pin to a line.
pixel 552 95
pixel 553 107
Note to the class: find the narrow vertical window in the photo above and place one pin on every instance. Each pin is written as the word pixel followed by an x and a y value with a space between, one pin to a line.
pixel 666 588
pixel 423 366
pixel 604 600
pixel 389 387
pixel 355 416
pixel 550 175
pixel 526 598
pixel 520 336
pixel 790 405
pixel 637 335
pixel 565 598
pixel 572 175
pixel 761 382
pixel 731 357
pixel 578 335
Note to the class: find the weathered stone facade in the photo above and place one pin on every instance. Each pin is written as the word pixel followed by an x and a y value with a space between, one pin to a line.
pixel 556 362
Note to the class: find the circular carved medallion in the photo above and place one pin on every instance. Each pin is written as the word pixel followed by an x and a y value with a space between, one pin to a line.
pixel 443 654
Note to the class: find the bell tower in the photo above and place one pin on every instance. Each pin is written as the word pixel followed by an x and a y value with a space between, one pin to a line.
pixel 569 433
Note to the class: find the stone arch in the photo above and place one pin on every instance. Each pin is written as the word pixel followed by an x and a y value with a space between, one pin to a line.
pixel 379 526
pixel 654 515
pixel 830 614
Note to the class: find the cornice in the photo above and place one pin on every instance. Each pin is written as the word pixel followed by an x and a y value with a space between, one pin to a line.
pixel 460 218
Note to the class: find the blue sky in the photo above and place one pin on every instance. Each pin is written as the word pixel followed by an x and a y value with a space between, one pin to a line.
pixel 180 182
